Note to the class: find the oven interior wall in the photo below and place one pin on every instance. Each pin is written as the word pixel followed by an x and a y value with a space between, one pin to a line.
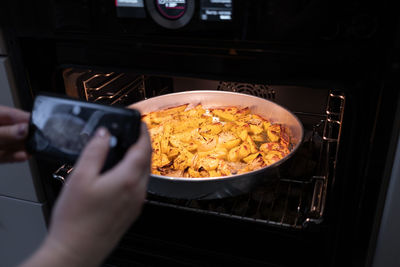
pixel 111 87
pixel 286 206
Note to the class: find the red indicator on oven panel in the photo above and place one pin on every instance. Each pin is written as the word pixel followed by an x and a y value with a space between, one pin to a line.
pixel 171 14
pixel 171 9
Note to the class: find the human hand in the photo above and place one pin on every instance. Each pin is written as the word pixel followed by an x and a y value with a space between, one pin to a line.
pixel 13 132
pixel 94 210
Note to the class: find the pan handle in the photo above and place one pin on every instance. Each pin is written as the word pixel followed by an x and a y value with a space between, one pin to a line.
pixel 62 173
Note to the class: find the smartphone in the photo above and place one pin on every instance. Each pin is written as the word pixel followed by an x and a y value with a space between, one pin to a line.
pixel 60 128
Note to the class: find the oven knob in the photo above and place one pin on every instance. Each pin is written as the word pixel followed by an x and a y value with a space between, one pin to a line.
pixel 171 14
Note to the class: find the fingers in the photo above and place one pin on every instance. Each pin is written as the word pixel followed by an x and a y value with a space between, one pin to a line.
pixel 139 155
pixel 10 116
pixel 140 152
pixel 13 136
pixel 136 162
pixel 20 156
pixel 13 132
pixel 93 156
pixel 10 157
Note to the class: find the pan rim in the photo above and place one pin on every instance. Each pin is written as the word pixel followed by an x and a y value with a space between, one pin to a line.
pixel 235 176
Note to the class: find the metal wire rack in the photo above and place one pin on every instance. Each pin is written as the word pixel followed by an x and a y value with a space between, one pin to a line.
pixel 299 196
pixel 112 88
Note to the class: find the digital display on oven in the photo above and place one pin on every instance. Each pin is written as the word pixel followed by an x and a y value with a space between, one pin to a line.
pixel 129 3
pixel 216 10
pixel 130 8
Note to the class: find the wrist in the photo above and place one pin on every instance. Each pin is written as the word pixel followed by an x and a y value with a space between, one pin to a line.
pixel 60 253
pixel 54 253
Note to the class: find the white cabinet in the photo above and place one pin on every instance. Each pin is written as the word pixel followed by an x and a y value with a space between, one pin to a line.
pixel 22 229
pixel 22 216
pixel 16 180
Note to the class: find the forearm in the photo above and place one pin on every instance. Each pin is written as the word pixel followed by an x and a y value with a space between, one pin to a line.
pixel 90 215
pixel 51 254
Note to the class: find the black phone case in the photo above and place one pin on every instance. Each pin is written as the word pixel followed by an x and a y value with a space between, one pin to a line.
pixel 60 127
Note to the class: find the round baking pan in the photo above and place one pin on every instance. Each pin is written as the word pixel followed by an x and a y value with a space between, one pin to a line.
pixel 224 186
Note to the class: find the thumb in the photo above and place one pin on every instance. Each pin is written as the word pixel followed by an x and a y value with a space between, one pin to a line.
pixel 92 158
pixel 138 156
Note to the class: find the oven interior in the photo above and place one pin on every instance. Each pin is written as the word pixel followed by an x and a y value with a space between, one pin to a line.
pixel 298 199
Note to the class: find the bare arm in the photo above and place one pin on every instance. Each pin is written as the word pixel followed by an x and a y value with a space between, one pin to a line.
pixel 93 210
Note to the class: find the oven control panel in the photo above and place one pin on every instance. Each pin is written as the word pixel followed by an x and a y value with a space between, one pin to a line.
pixel 175 14
pixel 199 21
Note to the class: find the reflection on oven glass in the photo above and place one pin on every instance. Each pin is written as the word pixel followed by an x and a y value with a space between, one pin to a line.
pixel 62 130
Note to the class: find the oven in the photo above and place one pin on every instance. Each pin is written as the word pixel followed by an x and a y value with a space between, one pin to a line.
pixel 332 64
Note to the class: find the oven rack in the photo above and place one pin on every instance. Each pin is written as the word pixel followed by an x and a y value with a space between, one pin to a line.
pixel 267 208
pixel 110 88
pixel 295 201
pixel 114 89
pixel 292 202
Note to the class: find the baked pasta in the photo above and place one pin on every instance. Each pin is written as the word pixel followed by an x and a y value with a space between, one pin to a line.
pixel 199 142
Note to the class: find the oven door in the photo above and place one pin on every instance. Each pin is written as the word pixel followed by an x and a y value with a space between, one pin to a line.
pixel 320 213
pixel 310 210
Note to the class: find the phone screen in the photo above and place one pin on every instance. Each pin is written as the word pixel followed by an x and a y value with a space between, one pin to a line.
pixel 60 128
